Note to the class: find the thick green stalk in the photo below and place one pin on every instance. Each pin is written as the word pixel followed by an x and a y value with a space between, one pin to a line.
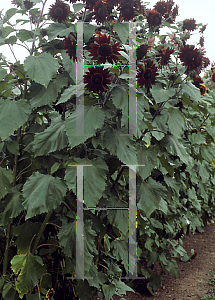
pixel 42 228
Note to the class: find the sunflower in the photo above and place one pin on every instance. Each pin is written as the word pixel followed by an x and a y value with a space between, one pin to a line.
pixel 147 75
pixel 197 81
pixel 100 12
pixel 103 50
pixel 189 24
pixel 213 77
pixel 97 79
pixel 165 56
pixel 203 89
pixel 205 62
pixel 90 3
pixel 154 18
pixel 161 7
pixel 71 48
pixel 50 294
pixel 59 11
pixel 191 57
pixel 127 11
pixel 17 3
pixel 142 51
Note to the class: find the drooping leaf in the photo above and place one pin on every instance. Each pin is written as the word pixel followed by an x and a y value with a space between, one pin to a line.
pixel 192 91
pixel 41 68
pixel 51 139
pixel 6 178
pixel 9 292
pixel 42 193
pixel 30 268
pixel 108 290
pixel 67 237
pixel 149 196
pixel 59 29
pixel 13 114
pixel 161 95
pixel 148 158
pixel 120 250
pixel 122 29
pixel 175 122
pixel 94 179
pixel 119 143
pixel 89 30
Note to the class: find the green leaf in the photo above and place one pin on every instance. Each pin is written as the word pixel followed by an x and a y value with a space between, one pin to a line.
pixel 120 144
pixel 148 158
pixel 51 139
pixel 89 30
pixel 108 290
pixel 78 6
pixel 47 96
pixel 9 292
pixel 122 30
pixel 94 179
pixel 41 68
pixel 192 91
pixel 30 268
pixel 175 122
pixel 13 147
pixel 118 217
pixel 67 237
pixel 89 245
pixel 13 114
pixel 67 94
pixel 93 119
pixel 175 147
pixel 6 178
pixel 165 163
pixel 149 196
pixel 9 13
pixel 24 234
pixel 42 193
pixel 14 206
pixel 120 250
pixel 120 99
pixel 69 66
pixel 161 95
pixel 3 73
pixel 59 29
pixel 7 30
pixel 98 278
pixel 121 287
pixel 24 35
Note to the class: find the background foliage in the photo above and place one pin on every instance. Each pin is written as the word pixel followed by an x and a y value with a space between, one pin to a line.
pixel 175 142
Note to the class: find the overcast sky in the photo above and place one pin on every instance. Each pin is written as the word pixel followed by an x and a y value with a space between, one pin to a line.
pixel 201 10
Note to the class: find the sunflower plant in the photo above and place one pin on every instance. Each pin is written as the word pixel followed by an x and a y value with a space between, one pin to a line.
pixel 106 85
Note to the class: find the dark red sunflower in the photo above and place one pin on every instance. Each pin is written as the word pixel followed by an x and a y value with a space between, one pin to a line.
pixel 165 56
pixel 203 89
pixel 189 24
pixel 50 294
pixel 205 62
pixel 190 57
pixel 172 12
pixel 127 11
pixel 103 50
pixel 97 79
pixel 59 11
pixel 100 12
pixel 154 18
pixel 196 81
pixel 213 77
pixel 71 48
pixel 162 7
pixel 147 75
pixel 142 51
pixel 18 3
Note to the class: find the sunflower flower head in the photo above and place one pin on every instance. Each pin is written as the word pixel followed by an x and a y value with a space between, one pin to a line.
pixel 103 50
pixel 205 62
pixel 161 7
pixel 213 77
pixel 71 47
pixel 197 81
pixel 203 89
pixel 154 18
pixel 100 11
pixel 165 56
pixel 142 51
pixel 127 11
pixel 59 11
pixel 97 79
pixel 147 75
pixel 189 24
pixel 50 294
pixel 191 57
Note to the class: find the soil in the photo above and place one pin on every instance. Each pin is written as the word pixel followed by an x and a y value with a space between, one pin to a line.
pixel 193 276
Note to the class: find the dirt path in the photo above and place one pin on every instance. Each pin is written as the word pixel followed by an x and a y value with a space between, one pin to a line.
pixel 193 276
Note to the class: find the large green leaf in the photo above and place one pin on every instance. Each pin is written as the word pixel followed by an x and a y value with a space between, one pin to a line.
pixel 192 91
pixel 13 114
pixel 94 179
pixel 120 144
pixel 59 29
pixel 69 65
pixel 120 250
pixel 67 237
pixel 161 95
pixel 89 30
pixel 175 147
pixel 122 29
pixel 30 268
pixel 51 139
pixel 42 193
pixel 46 96
pixel 14 206
pixel 175 122
pixel 149 196
pixel 120 99
pixel 108 290
pixel 6 178
pixel 89 245
pixel 93 119
pixel 41 68
pixel 148 158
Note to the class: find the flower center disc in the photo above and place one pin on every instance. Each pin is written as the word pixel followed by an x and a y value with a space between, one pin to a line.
pixel 157 20
pixel 190 56
pixel 105 50
pixel 101 12
pixel 126 11
pixel 58 12
pixel 97 79
pixel 147 74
